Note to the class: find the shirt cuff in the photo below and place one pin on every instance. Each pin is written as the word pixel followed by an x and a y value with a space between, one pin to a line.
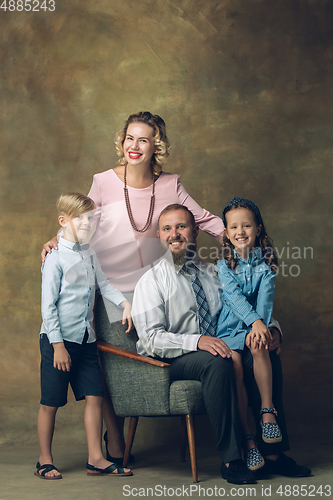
pixel 54 337
pixel 190 342
pixel 251 318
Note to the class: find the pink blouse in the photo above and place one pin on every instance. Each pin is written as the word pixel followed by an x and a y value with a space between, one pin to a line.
pixel 124 254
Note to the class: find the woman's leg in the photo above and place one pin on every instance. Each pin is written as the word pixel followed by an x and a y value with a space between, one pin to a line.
pixel 93 424
pixel 114 426
pixel 45 429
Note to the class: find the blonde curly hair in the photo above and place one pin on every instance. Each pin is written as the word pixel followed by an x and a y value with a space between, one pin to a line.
pixel 161 141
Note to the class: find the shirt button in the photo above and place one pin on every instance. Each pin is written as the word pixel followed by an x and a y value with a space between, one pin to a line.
pixel 248 279
pixel 248 293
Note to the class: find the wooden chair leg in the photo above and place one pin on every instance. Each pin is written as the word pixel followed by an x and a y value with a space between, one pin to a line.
pixel 130 438
pixel 191 444
pixel 182 438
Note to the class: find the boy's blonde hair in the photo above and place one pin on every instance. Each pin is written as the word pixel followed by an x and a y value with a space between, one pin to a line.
pixel 74 204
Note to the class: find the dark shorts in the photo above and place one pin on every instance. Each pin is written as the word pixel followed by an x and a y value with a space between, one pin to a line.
pixel 84 376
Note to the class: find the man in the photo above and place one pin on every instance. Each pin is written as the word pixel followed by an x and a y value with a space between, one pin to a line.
pixel 175 315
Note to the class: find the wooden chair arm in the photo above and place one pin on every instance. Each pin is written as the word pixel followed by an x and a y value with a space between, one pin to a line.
pixel 119 351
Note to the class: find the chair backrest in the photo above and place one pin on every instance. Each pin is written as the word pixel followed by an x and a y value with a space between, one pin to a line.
pixel 113 333
pixel 136 389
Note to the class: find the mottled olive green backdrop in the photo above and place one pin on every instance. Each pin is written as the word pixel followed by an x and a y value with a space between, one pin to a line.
pixel 245 87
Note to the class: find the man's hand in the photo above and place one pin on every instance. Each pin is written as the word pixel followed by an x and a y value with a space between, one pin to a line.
pixel 276 340
pixel 61 360
pixel 127 315
pixel 214 345
pixel 47 248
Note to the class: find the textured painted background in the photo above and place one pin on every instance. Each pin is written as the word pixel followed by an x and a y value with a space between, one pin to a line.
pixel 245 87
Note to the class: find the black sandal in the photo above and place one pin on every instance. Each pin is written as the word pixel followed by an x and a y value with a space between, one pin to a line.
pixel 108 471
pixel 45 469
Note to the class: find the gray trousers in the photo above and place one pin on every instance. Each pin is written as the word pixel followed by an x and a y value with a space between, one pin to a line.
pixel 217 378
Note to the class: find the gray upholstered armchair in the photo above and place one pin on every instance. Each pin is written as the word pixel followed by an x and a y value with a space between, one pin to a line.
pixel 140 386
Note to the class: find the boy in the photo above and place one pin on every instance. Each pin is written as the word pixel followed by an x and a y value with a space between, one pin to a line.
pixel 70 276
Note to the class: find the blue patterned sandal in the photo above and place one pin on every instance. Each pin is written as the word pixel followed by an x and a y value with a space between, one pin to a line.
pixel 271 432
pixel 253 458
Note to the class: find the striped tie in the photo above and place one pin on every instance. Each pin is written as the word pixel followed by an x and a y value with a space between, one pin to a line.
pixel 205 319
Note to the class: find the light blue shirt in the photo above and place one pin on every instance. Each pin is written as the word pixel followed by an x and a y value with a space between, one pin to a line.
pixel 248 295
pixel 69 282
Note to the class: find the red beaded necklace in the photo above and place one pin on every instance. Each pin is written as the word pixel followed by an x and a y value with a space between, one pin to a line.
pixel 129 210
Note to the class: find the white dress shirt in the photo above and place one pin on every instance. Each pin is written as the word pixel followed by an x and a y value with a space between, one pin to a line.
pixel 165 310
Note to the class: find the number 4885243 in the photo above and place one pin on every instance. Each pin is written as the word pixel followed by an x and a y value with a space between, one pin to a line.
pixel 27 5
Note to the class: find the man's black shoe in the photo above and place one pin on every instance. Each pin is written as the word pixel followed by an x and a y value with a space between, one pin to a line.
pixel 285 466
pixel 237 473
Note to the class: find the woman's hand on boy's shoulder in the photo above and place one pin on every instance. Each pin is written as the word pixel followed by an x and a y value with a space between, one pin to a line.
pixel 47 248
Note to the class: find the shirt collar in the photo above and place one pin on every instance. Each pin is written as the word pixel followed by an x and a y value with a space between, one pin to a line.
pixel 66 243
pixel 73 246
pixel 257 254
pixel 195 262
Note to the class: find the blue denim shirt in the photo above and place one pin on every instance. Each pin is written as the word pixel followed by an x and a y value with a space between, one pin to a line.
pixel 69 282
pixel 247 295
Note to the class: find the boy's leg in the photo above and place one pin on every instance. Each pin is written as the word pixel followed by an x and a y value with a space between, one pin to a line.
pixel 45 427
pixel 54 386
pixel 93 425
pixel 86 382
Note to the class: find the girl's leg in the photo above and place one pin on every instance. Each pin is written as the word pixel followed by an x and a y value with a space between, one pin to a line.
pixel 93 424
pixel 262 370
pixel 45 429
pixel 242 398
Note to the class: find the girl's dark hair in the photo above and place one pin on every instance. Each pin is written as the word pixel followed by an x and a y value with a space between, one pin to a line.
pixel 262 241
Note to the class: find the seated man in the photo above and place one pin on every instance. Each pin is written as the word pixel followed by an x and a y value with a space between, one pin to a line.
pixel 175 309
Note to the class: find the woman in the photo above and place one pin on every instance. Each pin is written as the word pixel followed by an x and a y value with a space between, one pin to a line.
pixel 129 199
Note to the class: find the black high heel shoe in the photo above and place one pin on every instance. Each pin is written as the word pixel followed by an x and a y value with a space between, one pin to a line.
pixel 115 460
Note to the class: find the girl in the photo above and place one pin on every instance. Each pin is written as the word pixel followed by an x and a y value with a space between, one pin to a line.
pixel 247 273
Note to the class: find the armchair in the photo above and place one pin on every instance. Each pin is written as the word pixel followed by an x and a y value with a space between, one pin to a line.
pixel 140 386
